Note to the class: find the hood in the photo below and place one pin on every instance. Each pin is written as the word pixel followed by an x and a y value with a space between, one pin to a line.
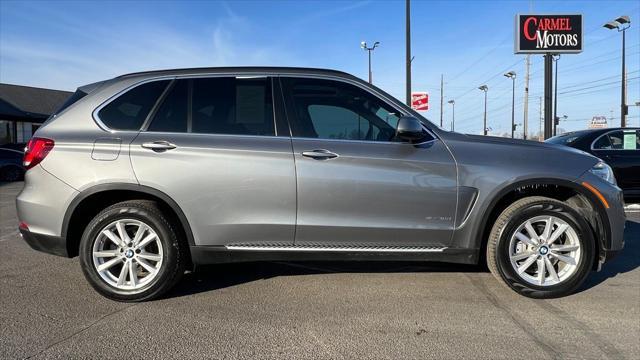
pixel 520 142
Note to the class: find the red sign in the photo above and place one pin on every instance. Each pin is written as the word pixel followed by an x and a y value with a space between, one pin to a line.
pixel 420 101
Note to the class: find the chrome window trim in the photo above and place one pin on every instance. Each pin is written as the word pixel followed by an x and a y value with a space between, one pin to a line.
pixel 390 102
pixel 147 121
pixel 103 126
pixel 609 132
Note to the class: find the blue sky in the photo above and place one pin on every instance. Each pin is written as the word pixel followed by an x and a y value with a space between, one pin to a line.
pixel 66 44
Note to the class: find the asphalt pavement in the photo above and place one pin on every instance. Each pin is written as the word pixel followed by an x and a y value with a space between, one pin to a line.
pixel 330 310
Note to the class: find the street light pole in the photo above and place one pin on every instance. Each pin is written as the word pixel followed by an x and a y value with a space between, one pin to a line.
pixel 363 45
pixel 512 75
pixel 619 24
pixel 484 88
pixel 408 49
pixel 453 114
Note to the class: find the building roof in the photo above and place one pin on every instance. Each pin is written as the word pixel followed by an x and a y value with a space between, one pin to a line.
pixel 31 102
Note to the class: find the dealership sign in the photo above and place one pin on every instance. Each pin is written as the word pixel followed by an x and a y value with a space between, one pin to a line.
pixel 598 122
pixel 548 34
pixel 420 101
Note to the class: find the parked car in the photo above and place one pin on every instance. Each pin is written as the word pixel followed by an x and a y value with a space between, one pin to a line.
pixel 618 147
pixel 148 174
pixel 11 168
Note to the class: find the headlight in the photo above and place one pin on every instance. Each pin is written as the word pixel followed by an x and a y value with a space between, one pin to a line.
pixel 604 171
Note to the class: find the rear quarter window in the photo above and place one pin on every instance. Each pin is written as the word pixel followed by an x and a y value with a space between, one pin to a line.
pixel 129 110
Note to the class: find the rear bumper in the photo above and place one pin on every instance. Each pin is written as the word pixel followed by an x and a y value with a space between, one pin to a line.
pixel 54 245
pixel 43 202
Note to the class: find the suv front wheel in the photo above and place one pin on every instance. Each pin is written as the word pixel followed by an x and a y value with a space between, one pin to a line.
pixel 541 248
pixel 130 252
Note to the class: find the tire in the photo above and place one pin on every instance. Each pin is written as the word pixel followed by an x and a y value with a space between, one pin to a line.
pixel 508 238
pixel 164 256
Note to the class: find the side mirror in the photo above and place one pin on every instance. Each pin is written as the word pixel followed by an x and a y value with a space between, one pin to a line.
pixel 410 129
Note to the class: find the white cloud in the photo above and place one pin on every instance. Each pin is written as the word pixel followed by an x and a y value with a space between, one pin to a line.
pixel 101 51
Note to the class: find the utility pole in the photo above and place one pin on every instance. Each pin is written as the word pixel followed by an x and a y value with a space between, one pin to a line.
pixel 408 59
pixel 623 106
pixel 548 95
pixel 526 88
pixel 441 96
pixel 556 120
pixel 526 99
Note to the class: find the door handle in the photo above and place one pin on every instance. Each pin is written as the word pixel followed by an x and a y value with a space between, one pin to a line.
pixel 319 154
pixel 158 145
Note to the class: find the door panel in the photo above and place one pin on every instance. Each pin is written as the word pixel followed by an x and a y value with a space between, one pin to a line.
pixel 211 146
pixel 358 184
pixel 621 150
pixel 375 194
pixel 232 189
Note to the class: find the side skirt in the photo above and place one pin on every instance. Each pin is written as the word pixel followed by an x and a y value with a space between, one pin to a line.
pixel 202 255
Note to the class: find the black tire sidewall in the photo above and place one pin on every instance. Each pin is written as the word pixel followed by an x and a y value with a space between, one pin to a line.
pixel 137 212
pixel 542 208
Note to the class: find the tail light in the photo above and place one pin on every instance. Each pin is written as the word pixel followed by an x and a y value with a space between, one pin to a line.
pixel 37 149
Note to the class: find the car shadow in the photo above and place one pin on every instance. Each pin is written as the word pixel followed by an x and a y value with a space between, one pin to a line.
pixel 214 277
pixel 627 260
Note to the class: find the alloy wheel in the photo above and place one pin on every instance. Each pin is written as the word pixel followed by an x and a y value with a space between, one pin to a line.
pixel 545 250
pixel 127 254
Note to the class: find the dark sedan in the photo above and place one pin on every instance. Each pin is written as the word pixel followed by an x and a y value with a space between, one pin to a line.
pixel 618 147
pixel 11 168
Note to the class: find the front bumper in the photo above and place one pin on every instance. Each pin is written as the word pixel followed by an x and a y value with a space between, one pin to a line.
pixel 612 215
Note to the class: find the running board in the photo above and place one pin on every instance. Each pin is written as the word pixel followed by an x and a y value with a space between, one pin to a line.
pixel 385 249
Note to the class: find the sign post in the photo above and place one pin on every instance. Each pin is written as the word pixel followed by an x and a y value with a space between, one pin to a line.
pixel 548 35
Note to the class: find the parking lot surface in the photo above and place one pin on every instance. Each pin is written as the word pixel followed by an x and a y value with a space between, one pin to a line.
pixel 313 310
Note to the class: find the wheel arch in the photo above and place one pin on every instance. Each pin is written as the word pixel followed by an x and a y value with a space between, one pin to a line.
pixel 578 197
pixel 81 211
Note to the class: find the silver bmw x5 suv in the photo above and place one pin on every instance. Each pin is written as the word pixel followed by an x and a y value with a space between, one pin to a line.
pixel 150 174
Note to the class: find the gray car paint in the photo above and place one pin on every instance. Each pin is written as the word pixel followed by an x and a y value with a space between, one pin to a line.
pixel 244 188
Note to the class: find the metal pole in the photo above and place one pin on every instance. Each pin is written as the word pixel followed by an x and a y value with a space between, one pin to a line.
pixel 513 106
pixel 548 95
pixel 526 101
pixel 540 120
pixel 441 96
pixel 408 59
pixel 370 76
pixel 485 113
pixel 555 100
pixel 453 117
pixel 623 106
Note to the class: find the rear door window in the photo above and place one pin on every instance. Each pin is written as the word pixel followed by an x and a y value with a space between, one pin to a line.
pixel 129 110
pixel 618 140
pixel 219 105
pixel 233 106
pixel 172 115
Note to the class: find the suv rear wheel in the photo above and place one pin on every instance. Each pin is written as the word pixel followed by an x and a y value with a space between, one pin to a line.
pixel 541 248
pixel 130 252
